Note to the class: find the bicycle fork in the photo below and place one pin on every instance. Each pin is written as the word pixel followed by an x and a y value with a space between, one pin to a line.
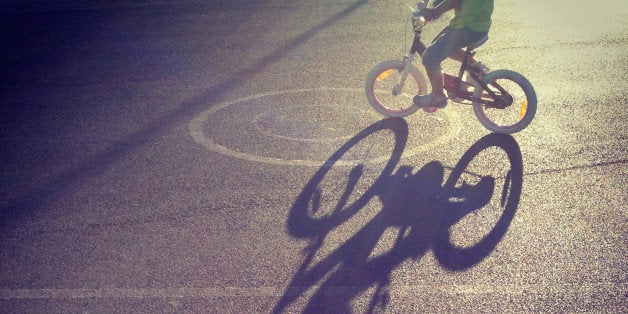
pixel 407 63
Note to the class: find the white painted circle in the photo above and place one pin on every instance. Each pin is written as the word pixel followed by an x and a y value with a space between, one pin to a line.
pixel 274 133
pixel 197 133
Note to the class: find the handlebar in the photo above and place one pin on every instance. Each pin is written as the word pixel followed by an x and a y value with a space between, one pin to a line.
pixel 418 21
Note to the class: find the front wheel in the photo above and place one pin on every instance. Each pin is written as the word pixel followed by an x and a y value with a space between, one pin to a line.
pixel 388 95
pixel 517 105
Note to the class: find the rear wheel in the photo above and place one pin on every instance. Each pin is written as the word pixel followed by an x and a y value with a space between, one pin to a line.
pixel 381 82
pixel 516 106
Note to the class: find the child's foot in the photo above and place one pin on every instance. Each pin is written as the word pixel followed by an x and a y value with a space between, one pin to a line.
pixel 481 68
pixel 429 100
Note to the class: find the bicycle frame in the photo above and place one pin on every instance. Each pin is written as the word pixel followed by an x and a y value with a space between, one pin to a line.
pixel 495 101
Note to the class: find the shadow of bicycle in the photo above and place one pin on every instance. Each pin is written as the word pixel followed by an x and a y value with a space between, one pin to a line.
pixel 480 196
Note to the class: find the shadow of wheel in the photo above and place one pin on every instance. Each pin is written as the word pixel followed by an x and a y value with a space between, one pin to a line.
pixel 455 258
pixel 302 224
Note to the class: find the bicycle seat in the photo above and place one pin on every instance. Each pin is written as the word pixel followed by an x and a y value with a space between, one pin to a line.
pixel 478 43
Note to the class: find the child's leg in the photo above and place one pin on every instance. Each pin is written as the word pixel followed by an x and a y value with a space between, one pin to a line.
pixel 435 75
pixel 441 48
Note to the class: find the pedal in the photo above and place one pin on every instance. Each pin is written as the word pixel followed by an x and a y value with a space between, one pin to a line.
pixel 430 109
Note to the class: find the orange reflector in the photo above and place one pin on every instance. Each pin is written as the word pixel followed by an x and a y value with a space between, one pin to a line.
pixel 523 109
pixel 385 74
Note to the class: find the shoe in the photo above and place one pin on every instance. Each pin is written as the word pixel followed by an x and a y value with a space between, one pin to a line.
pixel 481 67
pixel 429 101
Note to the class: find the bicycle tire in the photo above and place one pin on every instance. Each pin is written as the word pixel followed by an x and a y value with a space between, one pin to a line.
pixel 382 99
pixel 513 118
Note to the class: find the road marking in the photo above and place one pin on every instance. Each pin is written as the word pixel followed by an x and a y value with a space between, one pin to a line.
pixel 137 293
pixel 196 131
pixel 214 292
pixel 269 132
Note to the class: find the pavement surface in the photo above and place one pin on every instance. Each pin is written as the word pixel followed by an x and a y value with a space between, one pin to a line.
pixel 220 156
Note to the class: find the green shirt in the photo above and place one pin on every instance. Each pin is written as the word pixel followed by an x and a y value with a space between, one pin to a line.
pixel 474 14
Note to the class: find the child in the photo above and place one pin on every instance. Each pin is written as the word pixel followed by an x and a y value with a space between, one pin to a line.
pixel 471 22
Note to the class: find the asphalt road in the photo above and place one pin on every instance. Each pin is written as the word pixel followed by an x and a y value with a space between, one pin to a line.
pixel 220 156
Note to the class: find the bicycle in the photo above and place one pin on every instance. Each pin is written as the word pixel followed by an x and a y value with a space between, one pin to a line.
pixel 504 101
